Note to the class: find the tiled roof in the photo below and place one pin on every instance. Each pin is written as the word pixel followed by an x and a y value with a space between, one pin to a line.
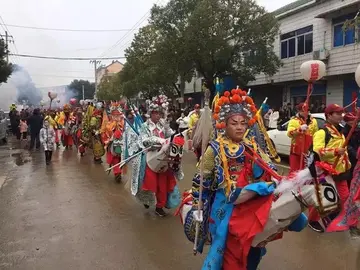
pixel 291 6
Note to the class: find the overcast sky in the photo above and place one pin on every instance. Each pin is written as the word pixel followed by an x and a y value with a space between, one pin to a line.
pixel 75 14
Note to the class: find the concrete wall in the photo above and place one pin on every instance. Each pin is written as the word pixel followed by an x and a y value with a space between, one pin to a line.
pixel 342 60
pixel 334 91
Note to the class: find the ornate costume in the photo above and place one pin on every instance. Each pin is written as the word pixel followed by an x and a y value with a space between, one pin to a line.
pixel 301 132
pixel 111 133
pixel 239 212
pixel 67 121
pixel 163 157
pixel 89 135
pixel 326 143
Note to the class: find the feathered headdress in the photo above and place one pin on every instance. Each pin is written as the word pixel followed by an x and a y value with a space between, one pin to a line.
pixel 158 104
pixel 235 102
pixel 115 108
pixel 67 108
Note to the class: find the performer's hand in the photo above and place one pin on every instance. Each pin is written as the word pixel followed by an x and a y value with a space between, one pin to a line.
pixel 304 127
pixel 198 215
pixel 340 151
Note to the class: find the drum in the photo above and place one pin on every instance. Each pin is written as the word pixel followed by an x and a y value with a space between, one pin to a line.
pixel 158 161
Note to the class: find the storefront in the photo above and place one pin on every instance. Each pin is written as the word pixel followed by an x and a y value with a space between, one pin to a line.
pixel 318 95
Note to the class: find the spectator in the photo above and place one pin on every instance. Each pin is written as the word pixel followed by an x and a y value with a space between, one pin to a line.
pixel 35 123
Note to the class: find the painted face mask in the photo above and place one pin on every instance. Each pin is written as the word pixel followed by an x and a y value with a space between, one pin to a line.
pixel 176 152
pixel 116 147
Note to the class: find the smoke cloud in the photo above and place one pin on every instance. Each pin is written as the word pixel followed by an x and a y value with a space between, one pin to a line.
pixel 19 89
pixel 27 93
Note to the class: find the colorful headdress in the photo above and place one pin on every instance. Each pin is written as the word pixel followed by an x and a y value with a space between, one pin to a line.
pixel 115 108
pixel 235 102
pixel 158 104
pixel 67 108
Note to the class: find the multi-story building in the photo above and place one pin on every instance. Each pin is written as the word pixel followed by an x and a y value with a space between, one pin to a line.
pixel 313 29
pixel 109 70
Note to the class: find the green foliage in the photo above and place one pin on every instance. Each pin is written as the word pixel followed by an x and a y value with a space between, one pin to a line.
pixel 89 89
pixel 109 88
pixel 5 68
pixel 213 37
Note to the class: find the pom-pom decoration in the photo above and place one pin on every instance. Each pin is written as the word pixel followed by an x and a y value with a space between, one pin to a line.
pixel 233 102
pixel 73 101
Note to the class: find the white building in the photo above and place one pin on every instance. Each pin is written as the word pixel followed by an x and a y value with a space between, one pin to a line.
pixel 312 29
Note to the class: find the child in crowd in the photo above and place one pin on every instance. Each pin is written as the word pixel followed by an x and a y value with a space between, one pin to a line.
pixel 23 129
pixel 47 139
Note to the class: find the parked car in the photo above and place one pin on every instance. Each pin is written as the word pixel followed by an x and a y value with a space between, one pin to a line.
pixel 280 139
pixel 3 127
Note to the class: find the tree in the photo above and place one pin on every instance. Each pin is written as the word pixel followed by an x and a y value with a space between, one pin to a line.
pixel 5 68
pixel 77 86
pixel 144 70
pixel 220 37
pixel 109 88
pixel 212 37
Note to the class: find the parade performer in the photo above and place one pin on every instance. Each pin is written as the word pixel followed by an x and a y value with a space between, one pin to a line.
pixel 193 119
pixel 84 133
pixel 90 134
pixel 234 190
pixel 159 178
pixel 67 120
pixel 111 133
pixel 301 131
pixel 328 144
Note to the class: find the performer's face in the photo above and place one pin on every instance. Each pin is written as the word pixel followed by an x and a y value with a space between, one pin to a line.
pixel 236 127
pixel 155 117
pixel 335 118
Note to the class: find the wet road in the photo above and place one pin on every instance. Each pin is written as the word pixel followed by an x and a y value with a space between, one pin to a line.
pixel 72 215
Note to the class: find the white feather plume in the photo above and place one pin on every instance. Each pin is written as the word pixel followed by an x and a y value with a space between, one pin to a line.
pixel 294 181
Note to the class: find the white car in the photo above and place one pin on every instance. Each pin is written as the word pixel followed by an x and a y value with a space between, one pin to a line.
pixel 280 139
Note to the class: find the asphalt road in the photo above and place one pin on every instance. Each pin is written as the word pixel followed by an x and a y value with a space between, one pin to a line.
pixel 72 215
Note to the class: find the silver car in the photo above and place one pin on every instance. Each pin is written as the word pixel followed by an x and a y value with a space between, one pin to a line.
pixel 3 127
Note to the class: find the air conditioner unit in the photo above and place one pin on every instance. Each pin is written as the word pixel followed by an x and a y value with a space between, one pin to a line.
pixel 322 54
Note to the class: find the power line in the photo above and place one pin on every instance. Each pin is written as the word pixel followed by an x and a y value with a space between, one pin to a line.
pixel 68 58
pixel 64 29
pixel 137 24
pixel 59 76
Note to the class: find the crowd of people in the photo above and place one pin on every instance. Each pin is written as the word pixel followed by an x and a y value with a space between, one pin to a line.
pixel 328 144
pixel 236 192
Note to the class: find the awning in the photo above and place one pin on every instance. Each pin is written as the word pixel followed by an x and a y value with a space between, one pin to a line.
pixel 343 10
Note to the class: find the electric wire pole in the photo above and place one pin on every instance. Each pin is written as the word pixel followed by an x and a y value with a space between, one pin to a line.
pixel 8 39
pixel 95 62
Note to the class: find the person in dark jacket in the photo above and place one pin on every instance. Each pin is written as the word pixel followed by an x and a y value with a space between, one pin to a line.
pixel 35 123
pixel 354 142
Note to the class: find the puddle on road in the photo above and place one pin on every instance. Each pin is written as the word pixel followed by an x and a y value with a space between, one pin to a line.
pixel 20 158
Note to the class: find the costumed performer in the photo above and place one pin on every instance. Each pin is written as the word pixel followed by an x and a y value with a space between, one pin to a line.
pixel 111 133
pixel 67 120
pixel 153 133
pixel 301 131
pixel 328 145
pixel 237 193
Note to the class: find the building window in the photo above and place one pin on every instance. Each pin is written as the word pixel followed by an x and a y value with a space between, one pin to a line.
pixel 297 42
pixel 341 37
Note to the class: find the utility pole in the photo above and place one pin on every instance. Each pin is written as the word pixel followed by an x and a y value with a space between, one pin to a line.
pixel 8 39
pixel 95 62
pixel 83 93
